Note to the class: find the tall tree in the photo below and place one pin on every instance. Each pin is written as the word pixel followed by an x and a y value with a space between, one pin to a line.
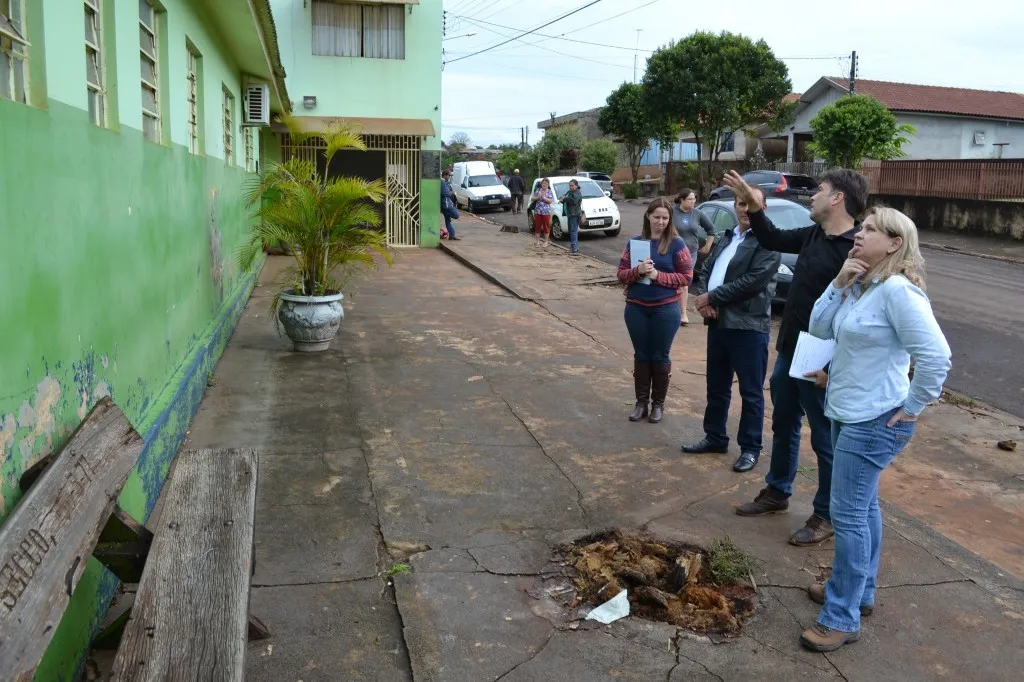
pixel 625 117
pixel 459 141
pixel 858 127
pixel 714 85
pixel 560 148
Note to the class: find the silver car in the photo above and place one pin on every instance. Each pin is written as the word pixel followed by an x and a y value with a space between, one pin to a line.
pixel 602 179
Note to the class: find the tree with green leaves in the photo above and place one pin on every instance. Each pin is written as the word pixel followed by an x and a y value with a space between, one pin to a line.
pixel 599 155
pixel 626 117
pixel 560 148
pixel 713 85
pixel 855 128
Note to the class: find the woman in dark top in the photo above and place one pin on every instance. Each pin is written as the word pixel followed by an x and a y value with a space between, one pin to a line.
pixel 573 203
pixel 652 306
pixel 696 231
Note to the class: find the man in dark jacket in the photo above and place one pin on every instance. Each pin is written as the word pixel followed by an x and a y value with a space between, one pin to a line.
pixel 823 248
pixel 516 187
pixel 736 287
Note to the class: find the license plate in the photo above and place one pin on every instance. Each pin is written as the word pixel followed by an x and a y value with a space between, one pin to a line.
pixel 494 201
pixel 595 221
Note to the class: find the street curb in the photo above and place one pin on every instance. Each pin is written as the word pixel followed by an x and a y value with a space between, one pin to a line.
pixel 552 242
pixel 488 275
pixel 987 256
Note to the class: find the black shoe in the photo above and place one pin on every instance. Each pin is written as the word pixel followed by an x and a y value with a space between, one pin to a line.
pixel 747 461
pixel 703 446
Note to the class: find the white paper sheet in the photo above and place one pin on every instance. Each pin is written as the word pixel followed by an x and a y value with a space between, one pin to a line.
pixel 612 610
pixel 639 251
pixel 811 354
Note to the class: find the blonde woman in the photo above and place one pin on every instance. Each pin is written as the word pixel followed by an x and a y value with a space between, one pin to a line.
pixel 878 314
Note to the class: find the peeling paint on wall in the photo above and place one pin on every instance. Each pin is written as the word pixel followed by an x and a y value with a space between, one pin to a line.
pixel 39 418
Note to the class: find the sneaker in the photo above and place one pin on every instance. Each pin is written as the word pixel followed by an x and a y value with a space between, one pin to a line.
pixel 814 531
pixel 817 594
pixel 823 639
pixel 768 501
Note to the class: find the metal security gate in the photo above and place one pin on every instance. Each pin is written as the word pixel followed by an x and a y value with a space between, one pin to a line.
pixel 401 173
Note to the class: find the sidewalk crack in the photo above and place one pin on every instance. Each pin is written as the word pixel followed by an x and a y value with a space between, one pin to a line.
pixel 551 635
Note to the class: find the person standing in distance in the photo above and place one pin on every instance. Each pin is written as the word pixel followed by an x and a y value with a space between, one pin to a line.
pixel 542 200
pixel 652 307
pixel 823 248
pixel 517 188
pixel 696 231
pixel 572 202
pixel 448 209
pixel 736 288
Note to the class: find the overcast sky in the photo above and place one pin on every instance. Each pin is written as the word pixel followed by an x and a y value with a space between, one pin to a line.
pixel 977 44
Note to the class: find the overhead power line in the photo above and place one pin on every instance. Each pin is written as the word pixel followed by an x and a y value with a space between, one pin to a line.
pixel 484 24
pixel 525 33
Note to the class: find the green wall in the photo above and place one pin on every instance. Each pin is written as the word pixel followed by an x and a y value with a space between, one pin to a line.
pixel 118 261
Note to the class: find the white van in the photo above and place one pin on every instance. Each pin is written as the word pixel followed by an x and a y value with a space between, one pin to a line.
pixel 477 187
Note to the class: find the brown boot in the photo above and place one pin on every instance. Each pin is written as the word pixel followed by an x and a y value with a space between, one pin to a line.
pixel 642 385
pixel 814 531
pixel 817 594
pixel 768 501
pixel 660 376
pixel 822 639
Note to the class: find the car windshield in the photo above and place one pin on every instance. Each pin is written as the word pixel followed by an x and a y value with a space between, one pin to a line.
pixel 789 217
pixel 589 188
pixel 484 181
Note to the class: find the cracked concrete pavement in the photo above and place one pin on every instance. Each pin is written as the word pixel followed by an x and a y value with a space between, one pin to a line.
pixel 464 432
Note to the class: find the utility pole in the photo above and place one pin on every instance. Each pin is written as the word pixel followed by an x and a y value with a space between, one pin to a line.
pixel 636 53
pixel 853 73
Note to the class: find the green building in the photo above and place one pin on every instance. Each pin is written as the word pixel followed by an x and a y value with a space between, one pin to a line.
pixel 123 149
pixel 377 64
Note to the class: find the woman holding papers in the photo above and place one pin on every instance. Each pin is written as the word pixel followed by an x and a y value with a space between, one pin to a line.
pixel 880 318
pixel 654 267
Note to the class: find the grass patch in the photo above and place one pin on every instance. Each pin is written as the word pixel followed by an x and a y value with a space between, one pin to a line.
pixel 729 563
pixel 959 400
pixel 398 568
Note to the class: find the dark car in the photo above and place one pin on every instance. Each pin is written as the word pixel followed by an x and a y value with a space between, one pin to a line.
pixel 784 214
pixel 790 186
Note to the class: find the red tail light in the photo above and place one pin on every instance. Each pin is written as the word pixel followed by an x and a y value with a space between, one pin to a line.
pixel 783 187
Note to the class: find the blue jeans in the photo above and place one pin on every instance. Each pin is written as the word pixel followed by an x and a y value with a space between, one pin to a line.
pixel 652 330
pixel 791 400
pixel 862 452
pixel 448 226
pixel 574 233
pixel 744 354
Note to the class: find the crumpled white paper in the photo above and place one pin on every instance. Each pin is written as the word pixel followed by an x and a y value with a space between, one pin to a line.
pixel 612 610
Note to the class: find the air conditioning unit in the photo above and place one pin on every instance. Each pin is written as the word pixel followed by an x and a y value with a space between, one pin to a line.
pixel 257 104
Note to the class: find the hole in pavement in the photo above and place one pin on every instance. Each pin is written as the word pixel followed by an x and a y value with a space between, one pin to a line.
pixel 702 589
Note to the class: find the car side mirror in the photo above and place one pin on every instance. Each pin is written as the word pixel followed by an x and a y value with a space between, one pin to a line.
pixel 608 194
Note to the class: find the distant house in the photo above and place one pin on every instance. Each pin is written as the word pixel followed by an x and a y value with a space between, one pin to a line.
pixel 951 123
pixel 741 144
pixel 587 120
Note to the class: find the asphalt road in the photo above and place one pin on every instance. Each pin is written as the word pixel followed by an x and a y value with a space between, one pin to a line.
pixel 978 303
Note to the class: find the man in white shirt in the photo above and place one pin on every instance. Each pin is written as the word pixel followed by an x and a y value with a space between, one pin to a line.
pixel 736 287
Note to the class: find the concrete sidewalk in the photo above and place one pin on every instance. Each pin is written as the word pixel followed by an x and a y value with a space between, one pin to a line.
pixel 464 431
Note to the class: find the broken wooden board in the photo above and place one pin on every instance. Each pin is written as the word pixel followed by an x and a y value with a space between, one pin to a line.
pixel 46 542
pixel 190 619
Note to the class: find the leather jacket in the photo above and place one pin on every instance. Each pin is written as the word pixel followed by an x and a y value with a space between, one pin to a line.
pixel 744 300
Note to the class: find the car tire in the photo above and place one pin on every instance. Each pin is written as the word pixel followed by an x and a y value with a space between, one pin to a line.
pixel 529 221
pixel 506 208
pixel 613 233
pixel 556 229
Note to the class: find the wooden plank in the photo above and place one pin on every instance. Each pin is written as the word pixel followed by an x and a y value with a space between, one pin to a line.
pixel 190 618
pixel 49 537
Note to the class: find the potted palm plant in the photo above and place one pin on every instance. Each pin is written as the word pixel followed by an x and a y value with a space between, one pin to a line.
pixel 329 224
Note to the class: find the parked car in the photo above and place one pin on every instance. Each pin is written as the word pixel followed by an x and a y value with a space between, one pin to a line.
pixel 790 186
pixel 603 180
pixel 784 214
pixel 602 215
pixel 478 187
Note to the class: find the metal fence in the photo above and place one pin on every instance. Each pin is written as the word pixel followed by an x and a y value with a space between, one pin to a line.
pixel 982 180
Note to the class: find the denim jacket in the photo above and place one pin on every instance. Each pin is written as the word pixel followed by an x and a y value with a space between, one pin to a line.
pixel 877 330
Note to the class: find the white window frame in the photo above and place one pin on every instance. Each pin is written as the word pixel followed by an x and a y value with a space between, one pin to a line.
pixel 153 31
pixel 228 119
pixel 248 142
pixel 14 43
pixel 192 95
pixel 94 15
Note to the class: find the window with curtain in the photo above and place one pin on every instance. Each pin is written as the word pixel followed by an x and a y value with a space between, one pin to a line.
pixel 353 30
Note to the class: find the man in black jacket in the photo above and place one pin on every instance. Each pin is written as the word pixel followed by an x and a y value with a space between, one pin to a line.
pixel 736 287
pixel 823 248
pixel 516 187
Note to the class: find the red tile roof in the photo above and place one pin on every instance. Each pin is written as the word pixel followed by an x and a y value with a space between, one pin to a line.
pixel 939 100
pixel 792 97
